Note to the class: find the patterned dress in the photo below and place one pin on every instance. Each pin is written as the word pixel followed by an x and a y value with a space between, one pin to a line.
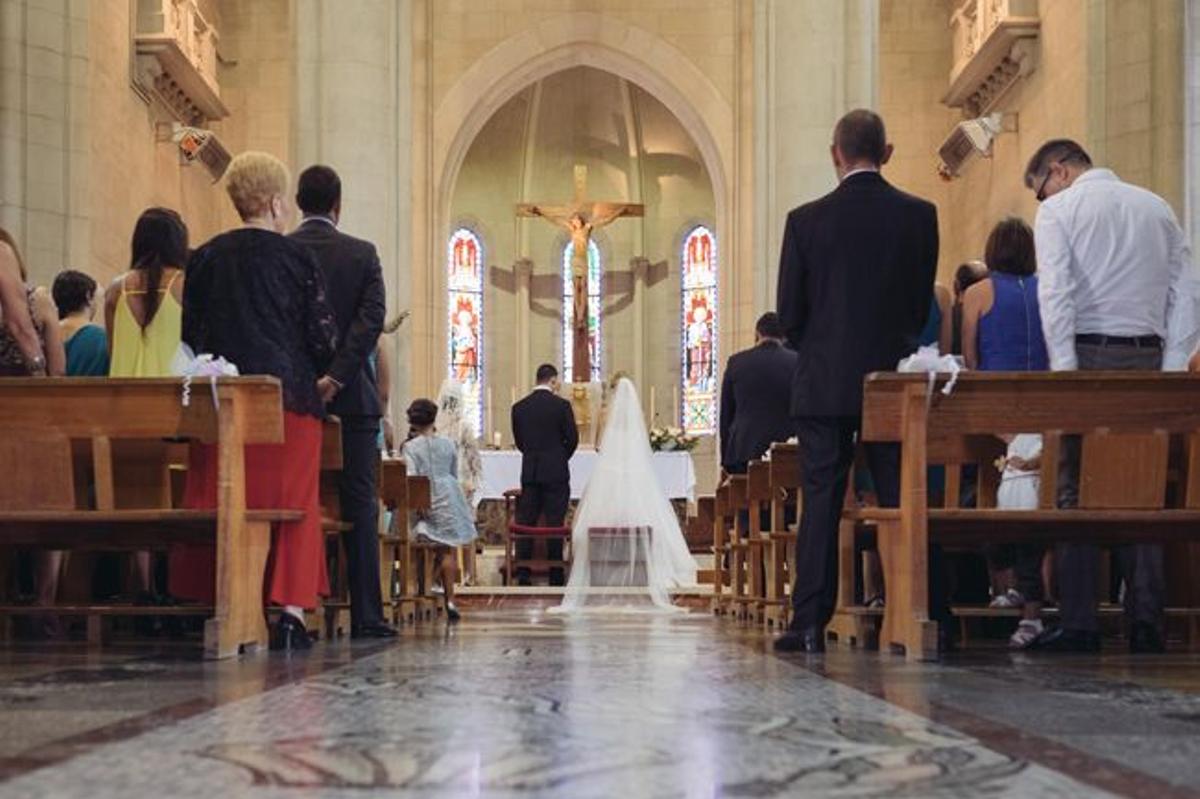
pixel 449 520
pixel 12 360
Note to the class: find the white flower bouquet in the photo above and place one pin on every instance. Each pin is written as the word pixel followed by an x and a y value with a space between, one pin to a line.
pixel 669 439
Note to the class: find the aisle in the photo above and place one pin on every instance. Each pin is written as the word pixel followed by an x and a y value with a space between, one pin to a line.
pixel 518 704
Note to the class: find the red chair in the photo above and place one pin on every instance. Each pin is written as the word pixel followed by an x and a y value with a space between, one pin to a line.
pixel 537 565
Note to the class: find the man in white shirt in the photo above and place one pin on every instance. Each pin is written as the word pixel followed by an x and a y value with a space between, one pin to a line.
pixel 1116 291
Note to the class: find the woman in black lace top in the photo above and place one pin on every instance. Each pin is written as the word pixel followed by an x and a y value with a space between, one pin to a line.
pixel 257 299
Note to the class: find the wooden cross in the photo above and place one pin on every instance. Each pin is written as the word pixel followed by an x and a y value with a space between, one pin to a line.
pixel 579 218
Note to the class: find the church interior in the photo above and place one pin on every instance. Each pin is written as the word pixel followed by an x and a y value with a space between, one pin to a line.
pixel 601 186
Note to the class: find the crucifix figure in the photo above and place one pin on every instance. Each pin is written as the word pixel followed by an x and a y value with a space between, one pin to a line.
pixel 579 218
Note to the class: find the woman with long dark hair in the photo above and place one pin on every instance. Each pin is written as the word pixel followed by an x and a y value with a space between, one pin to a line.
pixel 143 308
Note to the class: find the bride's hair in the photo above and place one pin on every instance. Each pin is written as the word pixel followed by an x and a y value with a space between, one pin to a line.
pixel 617 378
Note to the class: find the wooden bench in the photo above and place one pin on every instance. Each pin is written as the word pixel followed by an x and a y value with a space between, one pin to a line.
pixel 406 565
pixel 780 544
pixel 44 505
pixel 1126 420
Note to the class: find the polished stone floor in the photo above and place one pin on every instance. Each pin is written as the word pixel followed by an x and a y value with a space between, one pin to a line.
pixel 513 703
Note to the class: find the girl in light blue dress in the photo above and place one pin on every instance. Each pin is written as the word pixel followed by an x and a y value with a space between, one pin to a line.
pixel 449 521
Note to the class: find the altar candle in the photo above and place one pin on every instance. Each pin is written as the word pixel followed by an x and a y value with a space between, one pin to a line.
pixel 653 415
pixel 497 439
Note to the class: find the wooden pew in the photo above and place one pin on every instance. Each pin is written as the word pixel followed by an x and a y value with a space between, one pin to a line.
pixel 738 504
pixel 333 617
pixel 411 560
pixel 758 501
pixel 1126 420
pixel 41 505
pixel 722 523
pixel 780 565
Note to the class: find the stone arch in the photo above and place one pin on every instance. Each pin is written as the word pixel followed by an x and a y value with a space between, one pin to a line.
pixel 582 39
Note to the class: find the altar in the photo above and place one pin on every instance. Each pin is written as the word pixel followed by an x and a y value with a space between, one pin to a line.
pixel 502 472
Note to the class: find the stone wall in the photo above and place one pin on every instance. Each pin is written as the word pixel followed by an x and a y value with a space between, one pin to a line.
pixel 44 71
pixel 1108 75
pixel 81 153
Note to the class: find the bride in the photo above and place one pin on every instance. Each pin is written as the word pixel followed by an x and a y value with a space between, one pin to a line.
pixel 627 548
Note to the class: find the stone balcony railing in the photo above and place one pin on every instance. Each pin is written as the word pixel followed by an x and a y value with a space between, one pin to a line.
pixel 177 58
pixel 995 45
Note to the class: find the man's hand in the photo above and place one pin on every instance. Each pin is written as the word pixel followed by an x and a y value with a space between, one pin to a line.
pixel 389 434
pixel 328 388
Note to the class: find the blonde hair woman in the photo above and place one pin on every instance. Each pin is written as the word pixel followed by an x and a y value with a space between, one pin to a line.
pixel 257 299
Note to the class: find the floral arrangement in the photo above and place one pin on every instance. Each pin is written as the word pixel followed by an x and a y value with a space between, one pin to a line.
pixel 667 439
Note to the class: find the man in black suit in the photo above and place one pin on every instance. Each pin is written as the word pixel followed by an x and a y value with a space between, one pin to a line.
pixel 544 430
pixel 354 283
pixel 855 280
pixel 756 397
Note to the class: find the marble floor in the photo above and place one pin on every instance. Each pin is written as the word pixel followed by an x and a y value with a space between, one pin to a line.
pixel 514 703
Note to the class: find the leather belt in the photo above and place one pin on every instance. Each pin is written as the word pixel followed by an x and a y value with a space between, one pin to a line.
pixel 1101 340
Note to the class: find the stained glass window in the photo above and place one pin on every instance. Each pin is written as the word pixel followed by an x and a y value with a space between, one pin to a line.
pixel 464 278
pixel 595 293
pixel 699 339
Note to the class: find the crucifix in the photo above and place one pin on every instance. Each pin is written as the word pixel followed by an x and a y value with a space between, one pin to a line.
pixel 579 218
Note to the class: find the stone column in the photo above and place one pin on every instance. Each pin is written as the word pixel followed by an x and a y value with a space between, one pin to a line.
pixel 43 132
pixel 639 268
pixel 523 272
pixel 353 73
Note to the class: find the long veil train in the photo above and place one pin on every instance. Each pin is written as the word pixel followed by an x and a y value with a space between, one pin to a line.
pixel 627 548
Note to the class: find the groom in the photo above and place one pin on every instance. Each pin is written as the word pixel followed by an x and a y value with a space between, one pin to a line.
pixel 544 430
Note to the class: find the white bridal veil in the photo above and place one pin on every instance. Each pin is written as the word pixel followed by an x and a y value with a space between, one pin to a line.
pixel 627 548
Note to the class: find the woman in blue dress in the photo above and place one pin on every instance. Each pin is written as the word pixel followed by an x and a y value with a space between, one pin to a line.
pixel 449 521
pixel 86 343
pixel 1002 332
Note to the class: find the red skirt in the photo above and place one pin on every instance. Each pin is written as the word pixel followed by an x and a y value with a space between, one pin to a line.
pixel 278 476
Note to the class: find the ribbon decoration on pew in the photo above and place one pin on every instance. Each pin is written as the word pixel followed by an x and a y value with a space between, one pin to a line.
pixel 188 365
pixel 927 359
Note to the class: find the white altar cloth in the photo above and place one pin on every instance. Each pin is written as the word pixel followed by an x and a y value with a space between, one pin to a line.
pixel 502 472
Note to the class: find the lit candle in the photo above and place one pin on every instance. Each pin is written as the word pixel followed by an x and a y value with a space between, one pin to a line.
pixel 653 414
pixel 497 439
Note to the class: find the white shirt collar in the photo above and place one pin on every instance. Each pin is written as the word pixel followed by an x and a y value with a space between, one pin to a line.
pixel 319 218
pixel 860 170
pixel 543 388
pixel 1096 173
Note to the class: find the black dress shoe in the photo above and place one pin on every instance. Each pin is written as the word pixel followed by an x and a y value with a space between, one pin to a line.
pixel 1060 639
pixel 810 640
pixel 379 630
pixel 289 634
pixel 1145 639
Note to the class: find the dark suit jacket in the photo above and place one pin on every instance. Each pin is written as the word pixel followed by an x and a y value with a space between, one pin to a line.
pixel 354 284
pixel 855 280
pixel 756 402
pixel 544 428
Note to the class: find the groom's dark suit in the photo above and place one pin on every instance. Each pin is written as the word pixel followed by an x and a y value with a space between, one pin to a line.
pixel 544 429
pixel 545 432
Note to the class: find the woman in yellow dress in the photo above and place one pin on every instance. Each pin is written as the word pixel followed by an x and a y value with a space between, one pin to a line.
pixel 143 313
pixel 143 307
